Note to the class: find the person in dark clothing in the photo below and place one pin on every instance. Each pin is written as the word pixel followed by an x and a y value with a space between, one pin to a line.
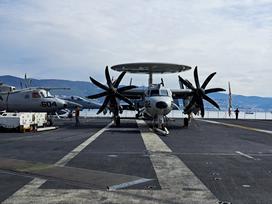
pixel 77 116
pixel 236 113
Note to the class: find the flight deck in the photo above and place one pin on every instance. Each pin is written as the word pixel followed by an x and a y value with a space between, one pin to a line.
pixel 212 161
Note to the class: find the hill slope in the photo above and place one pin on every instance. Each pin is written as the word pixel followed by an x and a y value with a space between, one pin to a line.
pixel 81 88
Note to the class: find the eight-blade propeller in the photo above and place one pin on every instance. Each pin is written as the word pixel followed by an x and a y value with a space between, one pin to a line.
pixel 199 92
pixel 112 92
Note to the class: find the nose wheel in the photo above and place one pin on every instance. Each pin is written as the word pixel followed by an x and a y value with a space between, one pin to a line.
pixel 160 128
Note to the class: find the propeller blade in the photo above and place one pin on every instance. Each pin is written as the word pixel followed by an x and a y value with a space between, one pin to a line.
pixel 196 78
pixel 207 91
pixel 104 105
pixel 192 102
pixel 107 74
pixel 119 79
pixel 207 80
pixel 97 95
pixel 125 88
pixel 189 85
pixel 121 97
pixel 211 101
pixel 201 106
pixel 99 84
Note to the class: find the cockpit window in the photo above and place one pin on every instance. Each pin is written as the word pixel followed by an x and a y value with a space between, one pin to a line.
pixel 154 92
pixel 45 94
pixel 36 94
pixel 163 93
pixel 49 95
pixel 42 94
pixel 157 92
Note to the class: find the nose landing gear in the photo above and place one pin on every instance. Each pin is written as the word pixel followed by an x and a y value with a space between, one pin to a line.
pixel 161 128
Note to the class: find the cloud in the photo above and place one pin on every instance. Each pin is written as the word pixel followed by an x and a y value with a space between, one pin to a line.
pixel 75 39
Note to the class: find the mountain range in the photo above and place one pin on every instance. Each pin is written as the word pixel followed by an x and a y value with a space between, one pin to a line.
pixel 83 88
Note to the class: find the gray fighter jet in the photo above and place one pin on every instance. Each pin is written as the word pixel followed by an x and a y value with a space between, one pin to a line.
pixel 85 103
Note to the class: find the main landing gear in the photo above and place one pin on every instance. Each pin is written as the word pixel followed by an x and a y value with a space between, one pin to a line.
pixel 117 120
pixel 186 121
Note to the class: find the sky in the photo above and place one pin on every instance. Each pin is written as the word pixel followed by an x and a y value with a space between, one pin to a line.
pixel 75 39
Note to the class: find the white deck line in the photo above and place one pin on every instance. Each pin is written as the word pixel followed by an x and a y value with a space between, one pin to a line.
pixel 128 184
pixel 172 173
pixel 239 126
pixel 170 165
pixel 245 155
pixel 37 182
pixel 79 148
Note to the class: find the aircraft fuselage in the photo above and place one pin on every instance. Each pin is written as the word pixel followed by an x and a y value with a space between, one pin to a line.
pixel 30 101
pixel 158 101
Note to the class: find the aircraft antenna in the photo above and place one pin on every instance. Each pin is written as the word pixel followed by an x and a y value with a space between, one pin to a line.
pixel 162 82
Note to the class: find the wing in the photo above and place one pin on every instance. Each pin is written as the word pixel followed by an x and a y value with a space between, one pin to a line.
pixel 53 88
pixel 181 93
pixel 135 93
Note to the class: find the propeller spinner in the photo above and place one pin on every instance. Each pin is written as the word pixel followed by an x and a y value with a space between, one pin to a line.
pixel 111 91
pixel 199 92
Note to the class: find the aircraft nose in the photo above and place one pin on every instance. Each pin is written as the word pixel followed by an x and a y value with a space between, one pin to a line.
pixel 161 105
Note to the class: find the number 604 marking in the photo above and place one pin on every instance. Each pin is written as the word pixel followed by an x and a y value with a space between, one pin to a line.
pixel 48 104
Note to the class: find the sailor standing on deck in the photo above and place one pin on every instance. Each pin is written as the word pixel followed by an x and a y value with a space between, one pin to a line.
pixel 77 116
pixel 236 113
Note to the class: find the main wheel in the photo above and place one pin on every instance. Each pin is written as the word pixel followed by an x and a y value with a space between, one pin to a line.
pixel 49 122
pixel 117 121
pixel 186 122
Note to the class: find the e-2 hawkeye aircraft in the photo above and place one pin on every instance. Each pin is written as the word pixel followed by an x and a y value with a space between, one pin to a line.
pixel 154 101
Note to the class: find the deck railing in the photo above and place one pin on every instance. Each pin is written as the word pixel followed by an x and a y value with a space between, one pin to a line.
pixel 179 114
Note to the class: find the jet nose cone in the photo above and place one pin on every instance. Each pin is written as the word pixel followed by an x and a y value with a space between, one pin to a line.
pixel 161 105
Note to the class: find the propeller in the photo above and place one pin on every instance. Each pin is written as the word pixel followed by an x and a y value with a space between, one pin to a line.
pixel 111 91
pixel 200 92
